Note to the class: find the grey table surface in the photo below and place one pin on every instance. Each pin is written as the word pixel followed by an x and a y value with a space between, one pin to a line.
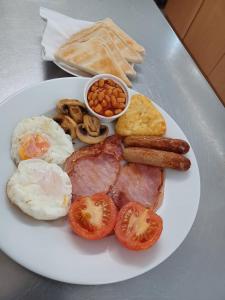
pixel 197 268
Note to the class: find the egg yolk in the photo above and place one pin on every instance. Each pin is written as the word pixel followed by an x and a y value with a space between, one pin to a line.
pixel 33 145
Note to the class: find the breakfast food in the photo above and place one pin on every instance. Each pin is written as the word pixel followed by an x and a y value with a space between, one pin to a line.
pixel 110 41
pixel 96 31
pixel 93 217
pixel 158 143
pixel 94 168
pixel 109 25
pixel 97 168
pixel 106 98
pixel 111 145
pixel 116 182
pixel 141 183
pixel 91 56
pixel 141 118
pixel 131 42
pixel 40 189
pixel 138 228
pixel 40 137
pixel 91 131
pixel 68 125
pixel 73 118
pixel 94 174
pixel 102 48
pixel 157 158
pixel 73 108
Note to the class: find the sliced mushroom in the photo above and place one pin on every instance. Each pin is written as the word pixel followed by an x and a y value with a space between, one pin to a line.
pixel 72 107
pixel 76 114
pixel 85 137
pixel 67 124
pixel 92 125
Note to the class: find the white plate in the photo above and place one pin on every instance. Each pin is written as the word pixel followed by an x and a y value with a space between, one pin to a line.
pixel 49 248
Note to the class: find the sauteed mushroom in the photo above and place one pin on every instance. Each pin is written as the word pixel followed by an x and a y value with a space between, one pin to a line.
pixel 92 125
pixel 67 124
pixel 91 131
pixel 72 107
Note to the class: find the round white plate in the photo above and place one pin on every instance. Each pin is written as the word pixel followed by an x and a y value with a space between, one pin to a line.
pixel 50 248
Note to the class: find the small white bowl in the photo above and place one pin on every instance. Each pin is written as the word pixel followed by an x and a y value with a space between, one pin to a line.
pixel 116 80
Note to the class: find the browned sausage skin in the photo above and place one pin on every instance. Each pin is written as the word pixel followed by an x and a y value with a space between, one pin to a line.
pixel 157 158
pixel 158 143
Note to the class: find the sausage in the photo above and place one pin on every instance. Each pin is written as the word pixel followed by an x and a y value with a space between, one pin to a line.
pixel 159 143
pixel 157 158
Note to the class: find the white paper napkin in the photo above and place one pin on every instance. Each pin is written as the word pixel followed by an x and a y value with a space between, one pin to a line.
pixel 58 29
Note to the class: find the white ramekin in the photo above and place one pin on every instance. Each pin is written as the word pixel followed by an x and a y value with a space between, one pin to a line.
pixel 119 82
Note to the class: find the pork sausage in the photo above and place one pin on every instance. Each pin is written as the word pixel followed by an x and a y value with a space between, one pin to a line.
pixel 157 158
pixel 159 143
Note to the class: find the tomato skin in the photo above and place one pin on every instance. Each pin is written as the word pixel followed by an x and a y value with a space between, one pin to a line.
pixel 81 225
pixel 128 237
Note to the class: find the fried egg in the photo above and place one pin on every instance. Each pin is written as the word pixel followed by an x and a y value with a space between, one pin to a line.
pixel 41 190
pixel 40 137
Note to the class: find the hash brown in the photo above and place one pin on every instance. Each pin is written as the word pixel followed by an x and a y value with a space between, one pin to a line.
pixel 141 118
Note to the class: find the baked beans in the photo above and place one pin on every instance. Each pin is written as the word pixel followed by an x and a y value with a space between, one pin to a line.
pixel 106 98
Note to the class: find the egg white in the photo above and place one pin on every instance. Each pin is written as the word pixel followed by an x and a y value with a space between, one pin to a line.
pixel 41 190
pixel 60 143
